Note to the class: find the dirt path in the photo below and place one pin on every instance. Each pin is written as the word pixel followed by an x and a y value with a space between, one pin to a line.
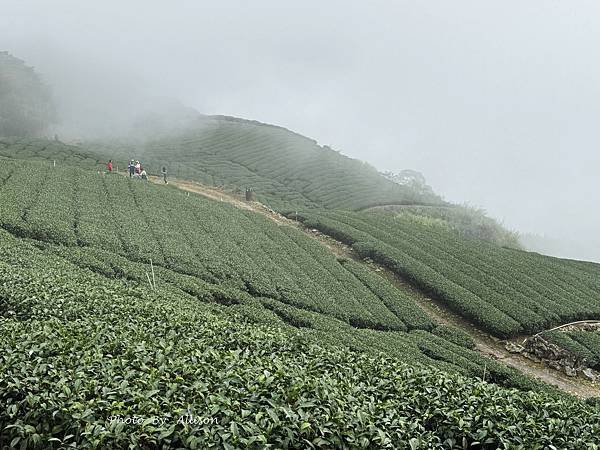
pixel 495 348
pixel 219 195
pixel 485 344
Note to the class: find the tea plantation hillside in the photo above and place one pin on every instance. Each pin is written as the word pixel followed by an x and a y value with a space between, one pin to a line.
pixel 269 273
pixel 507 292
pixel 285 169
pixel 35 149
pixel 90 361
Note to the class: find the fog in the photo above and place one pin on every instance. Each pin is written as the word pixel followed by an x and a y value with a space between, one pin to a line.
pixel 496 102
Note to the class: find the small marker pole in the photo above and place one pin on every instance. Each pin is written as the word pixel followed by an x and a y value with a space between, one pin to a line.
pixel 153 279
pixel 149 282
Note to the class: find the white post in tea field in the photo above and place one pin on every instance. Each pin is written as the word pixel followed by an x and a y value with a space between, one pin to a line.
pixel 153 279
pixel 149 282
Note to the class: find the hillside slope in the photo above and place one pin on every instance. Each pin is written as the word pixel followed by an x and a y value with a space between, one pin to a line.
pixel 364 186
pixel 283 168
pixel 122 295
pixel 131 300
pixel 93 362
pixel 507 292
pixel 50 151
pixel 286 170
pixel 271 274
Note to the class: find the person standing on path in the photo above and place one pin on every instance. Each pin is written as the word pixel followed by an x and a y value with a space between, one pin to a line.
pixel 163 172
pixel 131 168
pixel 109 165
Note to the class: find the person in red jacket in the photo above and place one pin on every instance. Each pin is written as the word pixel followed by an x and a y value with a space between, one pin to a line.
pixel 109 165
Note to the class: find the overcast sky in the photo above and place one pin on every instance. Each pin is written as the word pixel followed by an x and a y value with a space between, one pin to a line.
pixel 496 102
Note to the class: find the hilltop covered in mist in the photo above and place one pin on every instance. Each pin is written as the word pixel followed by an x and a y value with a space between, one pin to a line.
pixel 26 104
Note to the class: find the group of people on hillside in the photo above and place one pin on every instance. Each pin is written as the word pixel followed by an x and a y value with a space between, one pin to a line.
pixel 136 170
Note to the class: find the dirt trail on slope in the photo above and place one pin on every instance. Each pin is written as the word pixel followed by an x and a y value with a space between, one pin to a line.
pixel 484 343
pixel 236 200
pixel 495 348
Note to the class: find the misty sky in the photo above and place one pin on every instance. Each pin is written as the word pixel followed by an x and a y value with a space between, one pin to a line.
pixel 496 102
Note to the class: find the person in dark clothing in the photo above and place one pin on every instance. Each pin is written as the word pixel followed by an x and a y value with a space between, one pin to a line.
pixel 131 168
pixel 163 172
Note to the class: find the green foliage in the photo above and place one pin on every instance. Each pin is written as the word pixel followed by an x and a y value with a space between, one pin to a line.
pixel 454 335
pixel 218 255
pixel 397 301
pixel 254 326
pixel 216 243
pixel 33 149
pixel 81 350
pixel 505 291
pixel 469 222
pixel 286 171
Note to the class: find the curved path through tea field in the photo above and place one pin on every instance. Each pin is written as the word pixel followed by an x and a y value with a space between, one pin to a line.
pixel 485 344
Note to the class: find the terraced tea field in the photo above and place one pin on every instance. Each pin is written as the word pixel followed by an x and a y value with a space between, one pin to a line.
pixel 85 354
pixel 285 169
pixel 272 274
pixel 507 292
pixel 250 324
pixel 232 266
pixel 32 149
pixel 216 243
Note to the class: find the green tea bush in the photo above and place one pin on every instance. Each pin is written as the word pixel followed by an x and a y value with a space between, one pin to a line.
pixel 111 223
pixel 94 362
pixel 505 291
pixel 454 335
